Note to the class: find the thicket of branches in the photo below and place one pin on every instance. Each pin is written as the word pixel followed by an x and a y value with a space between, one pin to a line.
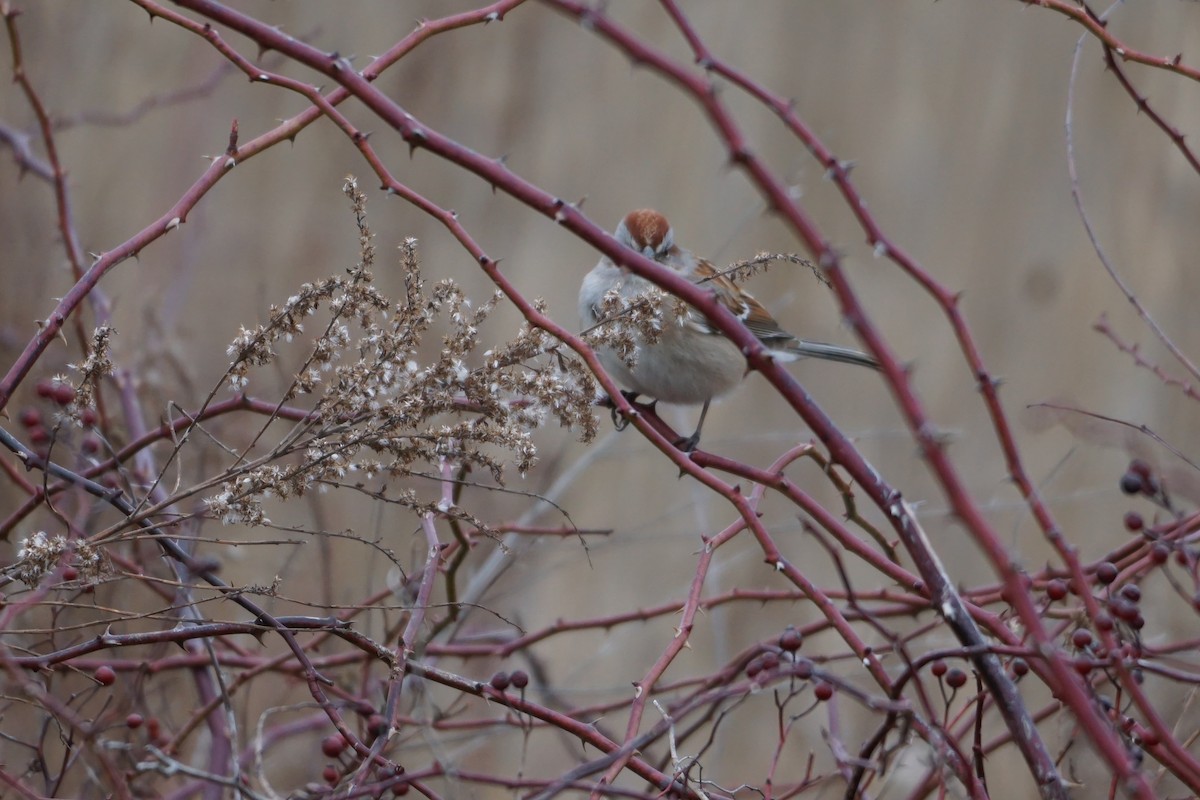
pixel 132 666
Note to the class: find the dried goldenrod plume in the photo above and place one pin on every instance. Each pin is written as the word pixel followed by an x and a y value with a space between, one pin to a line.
pixel 382 409
pixel 40 553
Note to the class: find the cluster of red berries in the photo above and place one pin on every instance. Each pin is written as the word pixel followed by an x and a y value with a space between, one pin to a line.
pixel 334 745
pixel 502 680
pixel 954 677
pixel 107 676
pixel 788 643
pixel 38 429
pixel 1139 479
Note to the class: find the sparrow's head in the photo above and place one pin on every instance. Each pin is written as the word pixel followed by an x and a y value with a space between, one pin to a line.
pixel 648 232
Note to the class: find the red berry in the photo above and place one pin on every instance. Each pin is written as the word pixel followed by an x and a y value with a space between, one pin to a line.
pixel 1159 553
pixel 376 724
pixel 1103 621
pixel 754 667
pixel 1083 667
pixel 332 746
pixel 1140 468
pixel 1020 667
pixel 1081 638
pixel 134 721
pixel 1056 589
pixel 791 639
pixel 45 388
pixel 770 659
pixel 1132 484
pixel 64 393
pixel 823 690
pixel 1133 521
pixel 38 435
pixel 938 668
pixel 90 445
pixel 956 678
pixel 330 774
pixel 1122 609
pixel 1131 592
pixel 105 676
pixel 500 681
pixel 1106 573
pixel 30 417
pixel 70 573
pixel 520 679
pixel 88 417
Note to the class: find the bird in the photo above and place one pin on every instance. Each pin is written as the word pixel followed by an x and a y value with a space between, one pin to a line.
pixel 692 362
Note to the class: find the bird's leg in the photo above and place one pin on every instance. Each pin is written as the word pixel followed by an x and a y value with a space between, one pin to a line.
pixel 689 444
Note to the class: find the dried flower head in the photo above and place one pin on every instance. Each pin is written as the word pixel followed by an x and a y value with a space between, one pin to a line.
pixel 39 554
pixel 384 406
pixel 626 322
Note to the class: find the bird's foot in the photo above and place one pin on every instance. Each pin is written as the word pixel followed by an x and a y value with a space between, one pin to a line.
pixel 621 422
pixel 688 443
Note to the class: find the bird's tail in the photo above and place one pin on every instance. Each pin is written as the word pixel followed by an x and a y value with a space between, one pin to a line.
pixel 830 352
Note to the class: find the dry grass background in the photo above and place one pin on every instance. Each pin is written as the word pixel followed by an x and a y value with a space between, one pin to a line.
pixel 953 113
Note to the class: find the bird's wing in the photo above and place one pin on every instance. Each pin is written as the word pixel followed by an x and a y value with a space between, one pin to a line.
pixel 741 304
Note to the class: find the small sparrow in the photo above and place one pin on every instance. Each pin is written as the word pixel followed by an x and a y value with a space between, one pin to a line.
pixel 692 362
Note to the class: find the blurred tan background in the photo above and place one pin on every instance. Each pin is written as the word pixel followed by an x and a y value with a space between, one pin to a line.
pixel 952 112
